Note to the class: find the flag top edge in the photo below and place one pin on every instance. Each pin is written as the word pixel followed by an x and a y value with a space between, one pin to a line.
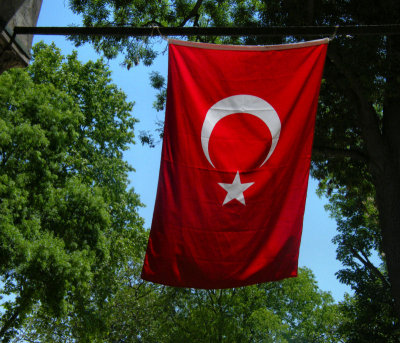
pixel 248 47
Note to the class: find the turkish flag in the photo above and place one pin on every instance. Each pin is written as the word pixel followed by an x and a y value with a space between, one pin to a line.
pixel 235 163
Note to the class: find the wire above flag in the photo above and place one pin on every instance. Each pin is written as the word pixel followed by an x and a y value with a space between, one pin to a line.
pixel 235 163
pixel 276 31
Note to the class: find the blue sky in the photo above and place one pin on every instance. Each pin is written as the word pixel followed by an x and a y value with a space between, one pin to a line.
pixel 317 252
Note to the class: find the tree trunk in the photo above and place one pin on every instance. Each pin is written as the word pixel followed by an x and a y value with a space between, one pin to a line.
pixel 388 200
pixel 383 146
pixel 387 182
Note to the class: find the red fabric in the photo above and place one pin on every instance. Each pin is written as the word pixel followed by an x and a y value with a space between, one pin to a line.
pixel 196 240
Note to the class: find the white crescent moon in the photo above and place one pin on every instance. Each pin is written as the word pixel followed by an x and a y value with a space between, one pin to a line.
pixel 241 104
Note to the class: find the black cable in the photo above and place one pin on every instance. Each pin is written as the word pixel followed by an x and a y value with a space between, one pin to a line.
pixel 389 29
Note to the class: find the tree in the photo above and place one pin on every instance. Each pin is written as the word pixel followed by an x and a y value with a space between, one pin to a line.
pixel 67 219
pixel 293 310
pixel 369 314
pixel 358 120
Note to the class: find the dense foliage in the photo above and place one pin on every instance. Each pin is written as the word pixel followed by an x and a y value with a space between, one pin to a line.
pixel 68 222
pixel 294 310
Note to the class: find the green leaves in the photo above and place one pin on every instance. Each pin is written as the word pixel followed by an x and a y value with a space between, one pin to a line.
pixel 287 311
pixel 63 187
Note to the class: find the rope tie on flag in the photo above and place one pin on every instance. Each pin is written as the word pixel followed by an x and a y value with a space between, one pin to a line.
pixel 334 34
pixel 163 37
pixel 158 32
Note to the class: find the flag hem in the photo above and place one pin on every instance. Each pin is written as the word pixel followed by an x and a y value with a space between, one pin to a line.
pixel 248 47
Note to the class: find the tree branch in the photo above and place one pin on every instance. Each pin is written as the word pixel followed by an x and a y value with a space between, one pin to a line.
pixel 24 302
pixel 193 13
pixel 9 323
pixel 367 263
pixel 213 303
pixel 178 324
pixel 368 118
pixel 333 152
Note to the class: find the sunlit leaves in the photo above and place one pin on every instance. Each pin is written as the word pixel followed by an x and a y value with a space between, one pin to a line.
pixel 65 205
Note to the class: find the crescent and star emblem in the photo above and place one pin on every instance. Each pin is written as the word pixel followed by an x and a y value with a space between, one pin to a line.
pixel 242 103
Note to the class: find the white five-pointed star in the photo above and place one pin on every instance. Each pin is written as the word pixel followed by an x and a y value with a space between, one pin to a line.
pixel 235 189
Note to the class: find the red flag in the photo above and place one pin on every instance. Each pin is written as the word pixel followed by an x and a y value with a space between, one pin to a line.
pixel 235 163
